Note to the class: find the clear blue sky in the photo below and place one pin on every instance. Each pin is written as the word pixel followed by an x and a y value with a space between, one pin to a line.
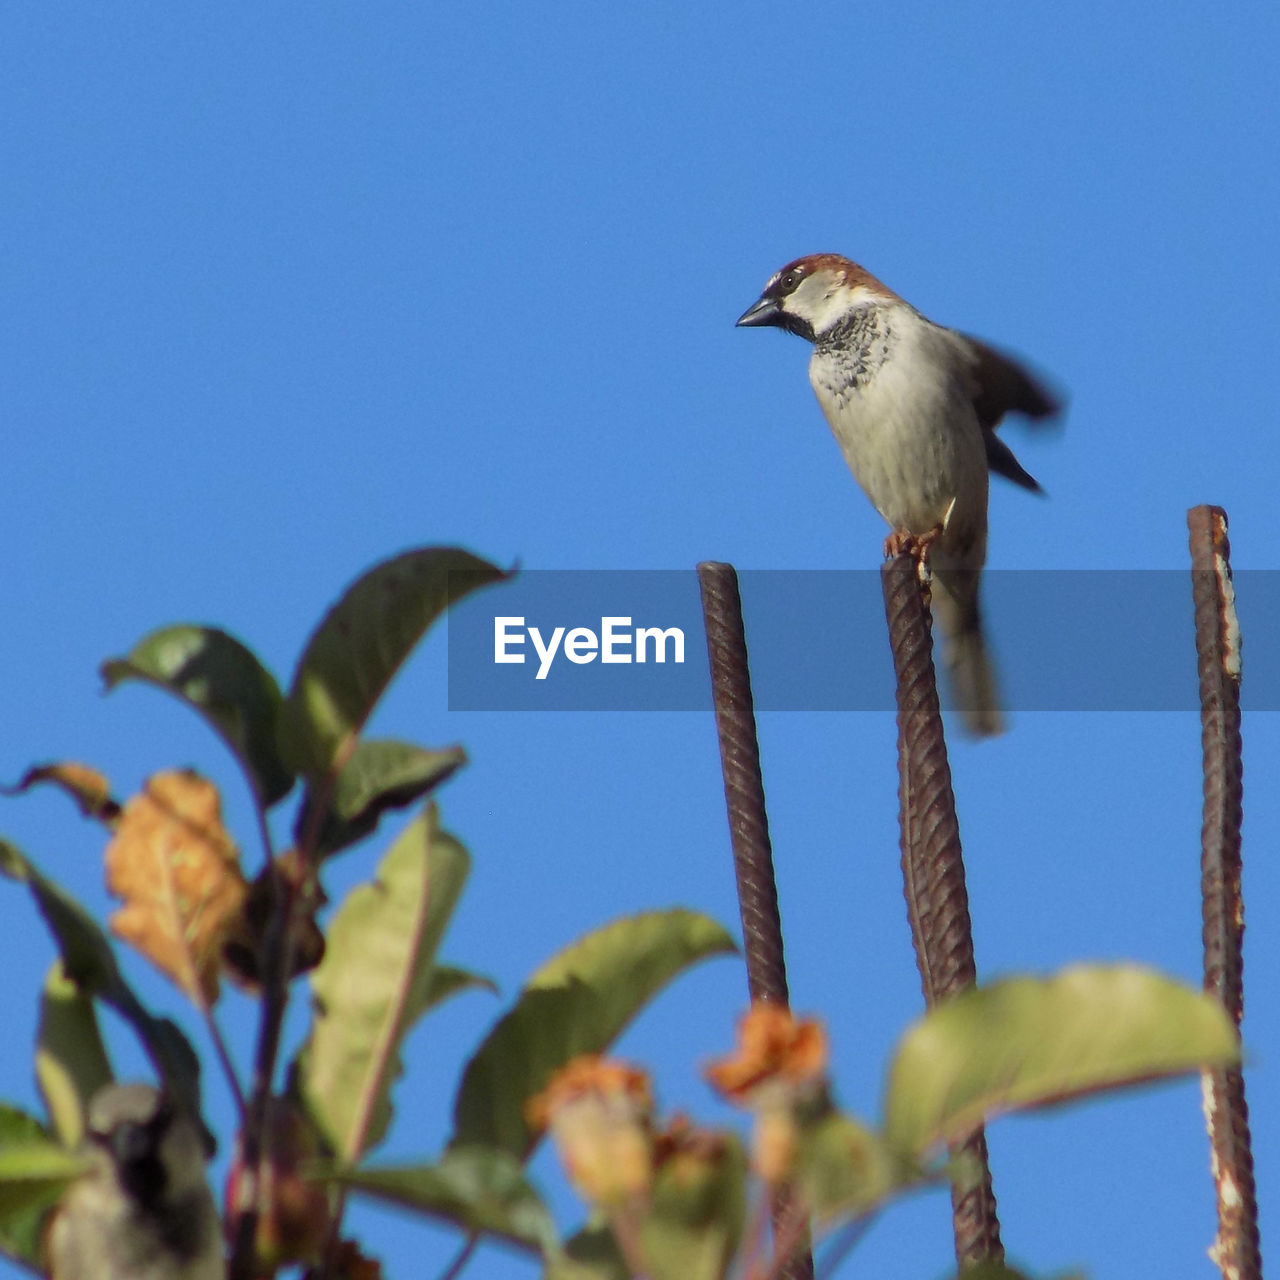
pixel 289 288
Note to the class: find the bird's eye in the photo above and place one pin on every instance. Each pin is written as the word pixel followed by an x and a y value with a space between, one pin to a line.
pixel 789 281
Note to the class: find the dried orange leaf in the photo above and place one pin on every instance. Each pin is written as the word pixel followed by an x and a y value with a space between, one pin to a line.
pixel 85 785
pixel 176 869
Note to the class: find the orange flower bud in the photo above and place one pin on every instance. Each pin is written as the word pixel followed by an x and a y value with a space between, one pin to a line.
pixel 779 1064
pixel 776 1053
pixel 599 1115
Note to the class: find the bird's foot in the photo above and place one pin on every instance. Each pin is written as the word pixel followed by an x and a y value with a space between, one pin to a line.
pixel 904 542
pixel 924 543
pixel 899 542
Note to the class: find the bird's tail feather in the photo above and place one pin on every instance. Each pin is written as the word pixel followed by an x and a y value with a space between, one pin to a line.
pixel 973 679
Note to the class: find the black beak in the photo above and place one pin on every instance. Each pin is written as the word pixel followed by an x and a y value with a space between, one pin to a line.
pixel 766 311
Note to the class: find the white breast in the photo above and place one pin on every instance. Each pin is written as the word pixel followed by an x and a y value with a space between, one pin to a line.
pixel 906 425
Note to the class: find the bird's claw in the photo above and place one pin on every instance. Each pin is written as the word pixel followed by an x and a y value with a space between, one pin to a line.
pixel 904 542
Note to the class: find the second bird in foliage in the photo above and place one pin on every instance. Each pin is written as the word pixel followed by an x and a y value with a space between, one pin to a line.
pixel 143 1209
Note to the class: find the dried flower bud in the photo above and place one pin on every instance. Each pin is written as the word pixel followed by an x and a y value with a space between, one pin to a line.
pixel 777 1070
pixel 599 1115
pixel 777 1052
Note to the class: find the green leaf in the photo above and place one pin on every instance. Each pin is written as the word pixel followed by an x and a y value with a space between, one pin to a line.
pixel 361 644
pixel 223 681
pixel 696 1213
pixel 447 981
pixel 477 1189
pixel 579 1002
pixel 71 1061
pixel 1026 1042
pixel 845 1169
pixel 377 978
pixel 89 961
pixel 591 1254
pixel 33 1173
pixel 380 775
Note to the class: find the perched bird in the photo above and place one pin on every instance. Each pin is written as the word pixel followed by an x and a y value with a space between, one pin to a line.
pixel 914 407
pixel 143 1211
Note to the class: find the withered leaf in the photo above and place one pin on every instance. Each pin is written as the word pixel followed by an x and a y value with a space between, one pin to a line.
pixel 85 785
pixel 349 1263
pixel 289 875
pixel 175 867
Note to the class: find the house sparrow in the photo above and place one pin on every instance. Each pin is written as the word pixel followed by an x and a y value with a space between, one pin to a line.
pixel 914 407
pixel 144 1210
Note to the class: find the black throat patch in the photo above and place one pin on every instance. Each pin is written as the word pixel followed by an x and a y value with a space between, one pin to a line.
pixel 861 343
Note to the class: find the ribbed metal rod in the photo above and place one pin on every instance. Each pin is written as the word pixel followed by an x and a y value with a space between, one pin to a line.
pixel 933 870
pixel 743 782
pixel 748 822
pixel 1236 1251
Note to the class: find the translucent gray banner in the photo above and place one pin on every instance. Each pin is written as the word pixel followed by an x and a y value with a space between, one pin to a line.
pixel 1063 640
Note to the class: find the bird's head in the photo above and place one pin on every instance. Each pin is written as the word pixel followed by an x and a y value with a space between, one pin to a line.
pixel 153 1151
pixel 812 295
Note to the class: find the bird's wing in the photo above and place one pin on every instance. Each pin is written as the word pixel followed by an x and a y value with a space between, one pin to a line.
pixel 1002 385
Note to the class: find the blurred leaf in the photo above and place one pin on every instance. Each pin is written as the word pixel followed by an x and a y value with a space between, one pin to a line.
pixel 579 1002
pixel 33 1174
pixel 178 873
pixel 89 961
pixel 380 775
pixel 71 1062
pixel 446 981
pixel 697 1209
pixel 1026 1042
pixel 29 1184
pixel 291 877
pixel 361 644
pixel 376 980
pixel 591 1254
pixel 844 1168
pixel 85 785
pixel 475 1188
pixel 295 1217
pixel 223 681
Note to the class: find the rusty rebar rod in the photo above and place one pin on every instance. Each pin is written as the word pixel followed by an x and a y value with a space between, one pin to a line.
pixel 743 782
pixel 748 825
pixel 1236 1251
pixel 933 873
